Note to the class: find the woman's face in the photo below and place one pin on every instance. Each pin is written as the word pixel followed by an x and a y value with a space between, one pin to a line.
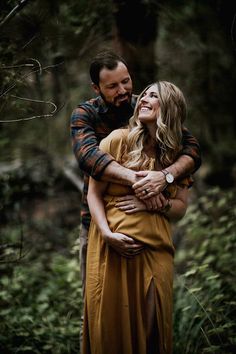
pixel 149 105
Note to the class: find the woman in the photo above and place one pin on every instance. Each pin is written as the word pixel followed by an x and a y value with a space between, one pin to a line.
pixel 128 300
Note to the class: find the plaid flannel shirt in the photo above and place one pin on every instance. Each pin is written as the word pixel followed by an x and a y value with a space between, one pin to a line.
pixel 92 121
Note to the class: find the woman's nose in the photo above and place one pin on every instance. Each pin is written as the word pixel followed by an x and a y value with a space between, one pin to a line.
pixel 144 98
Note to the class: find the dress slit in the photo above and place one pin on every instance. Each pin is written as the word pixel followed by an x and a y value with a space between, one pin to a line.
pixel 152 322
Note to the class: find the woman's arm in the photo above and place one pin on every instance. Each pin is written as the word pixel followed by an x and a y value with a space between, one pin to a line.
pixel 130 204
pixel 123 244
pixel 174 208
pixel 96 205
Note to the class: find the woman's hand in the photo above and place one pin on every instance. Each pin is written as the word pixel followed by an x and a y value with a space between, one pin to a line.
pixel 124 245
pixel 156 203
pixel 130 204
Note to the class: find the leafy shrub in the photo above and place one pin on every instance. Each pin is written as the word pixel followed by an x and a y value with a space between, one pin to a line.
pixel 40 294
pixel 205 288
pixel 40 287
pixel 40 307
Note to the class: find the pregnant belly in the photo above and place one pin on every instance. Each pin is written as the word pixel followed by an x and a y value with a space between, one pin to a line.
pixel 148 227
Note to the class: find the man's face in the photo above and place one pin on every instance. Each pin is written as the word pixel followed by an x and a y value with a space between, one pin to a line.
pixel 115 86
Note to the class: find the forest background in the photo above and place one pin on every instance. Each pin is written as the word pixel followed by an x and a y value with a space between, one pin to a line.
pixel 45 49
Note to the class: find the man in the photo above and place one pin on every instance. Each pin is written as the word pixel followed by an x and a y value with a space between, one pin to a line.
pixel 93 120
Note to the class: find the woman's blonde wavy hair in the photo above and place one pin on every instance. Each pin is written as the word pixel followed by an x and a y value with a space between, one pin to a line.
pixel 169 128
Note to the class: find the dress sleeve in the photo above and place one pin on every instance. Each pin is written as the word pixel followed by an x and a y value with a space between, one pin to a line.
pixel 90 158
pixel 114 144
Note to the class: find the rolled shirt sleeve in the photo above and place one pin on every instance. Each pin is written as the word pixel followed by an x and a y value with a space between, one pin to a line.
pixel 191 148
pixel 85 143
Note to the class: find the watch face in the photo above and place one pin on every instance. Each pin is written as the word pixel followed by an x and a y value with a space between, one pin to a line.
pixel 169 178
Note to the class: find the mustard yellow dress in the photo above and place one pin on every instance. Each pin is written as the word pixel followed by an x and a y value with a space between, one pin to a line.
pixel 115 312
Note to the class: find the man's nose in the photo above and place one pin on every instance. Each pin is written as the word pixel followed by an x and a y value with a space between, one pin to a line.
pixel 121 89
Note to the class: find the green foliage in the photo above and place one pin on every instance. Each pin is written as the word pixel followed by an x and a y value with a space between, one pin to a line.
pixel 40 296
pixel 40 287
pixel 196 36
pixel 43 52
pixel 40 306
pixel 205 289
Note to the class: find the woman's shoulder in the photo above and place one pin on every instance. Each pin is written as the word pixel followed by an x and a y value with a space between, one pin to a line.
pixel 113 142
pixel 118 134
pixel 115 136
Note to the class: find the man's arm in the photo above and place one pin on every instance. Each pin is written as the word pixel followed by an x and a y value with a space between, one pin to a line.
pixel 154 182
pixel 116 173
pixel 91 159
pixel 85 143
pixel 192 149
pixel 97 163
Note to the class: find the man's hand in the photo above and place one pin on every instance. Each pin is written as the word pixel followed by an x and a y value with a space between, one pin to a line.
pixel 152 183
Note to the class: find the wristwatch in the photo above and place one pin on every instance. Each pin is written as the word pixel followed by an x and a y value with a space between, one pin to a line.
pixel 169 177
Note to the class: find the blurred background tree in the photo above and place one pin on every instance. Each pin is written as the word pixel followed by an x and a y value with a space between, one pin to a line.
pixel 45 51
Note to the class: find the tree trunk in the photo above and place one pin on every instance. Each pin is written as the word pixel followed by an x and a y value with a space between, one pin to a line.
pixel 134 35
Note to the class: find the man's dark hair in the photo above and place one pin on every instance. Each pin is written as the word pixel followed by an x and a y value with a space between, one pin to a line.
pixel 105 59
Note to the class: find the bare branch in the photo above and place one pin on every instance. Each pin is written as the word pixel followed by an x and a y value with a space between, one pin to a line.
pixel 21 238
pixel 39 65
pixel 54 111
pixel 15 66
pixel 6 258
pixel 29 41
pixel 16 260
pixel 10 245
pixel 37 69
pixel 21 4
pixel 233 30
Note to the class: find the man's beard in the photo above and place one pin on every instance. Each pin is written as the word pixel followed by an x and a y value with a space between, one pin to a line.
pixel 124 110
pixel 121 105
